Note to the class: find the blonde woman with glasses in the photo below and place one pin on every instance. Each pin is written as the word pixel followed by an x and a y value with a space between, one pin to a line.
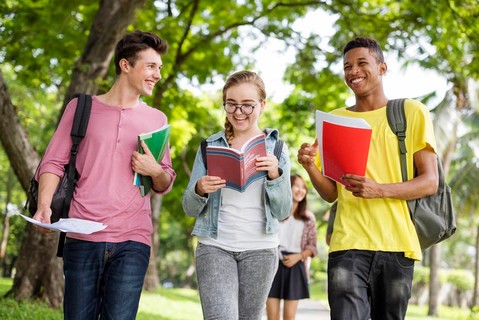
pixel 236 257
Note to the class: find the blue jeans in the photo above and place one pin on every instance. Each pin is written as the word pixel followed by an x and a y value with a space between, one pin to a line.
pixel 103 280
pixel 369 284
pixel 234 285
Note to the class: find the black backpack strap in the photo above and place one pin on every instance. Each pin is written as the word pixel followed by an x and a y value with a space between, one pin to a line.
pixel 203 152
pixel 398 124
pixel 79 126
pixel 278 148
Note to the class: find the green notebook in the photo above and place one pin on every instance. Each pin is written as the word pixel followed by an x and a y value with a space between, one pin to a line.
pixel 157 142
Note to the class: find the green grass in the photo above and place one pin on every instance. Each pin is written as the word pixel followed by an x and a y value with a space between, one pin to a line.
pixel 162 304
pixel 182 304
pixel 169 304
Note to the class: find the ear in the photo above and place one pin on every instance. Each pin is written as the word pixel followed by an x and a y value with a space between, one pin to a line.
pixel 383 67
pixel 124 65
pixel 263 105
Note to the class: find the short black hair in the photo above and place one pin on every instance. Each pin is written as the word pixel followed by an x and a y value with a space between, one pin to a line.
pixel 365 42
pixel 134 42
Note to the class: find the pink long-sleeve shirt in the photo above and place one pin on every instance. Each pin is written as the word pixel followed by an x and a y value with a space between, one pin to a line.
pixel 105 192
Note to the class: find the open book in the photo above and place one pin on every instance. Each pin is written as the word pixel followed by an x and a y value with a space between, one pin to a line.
pixel 157 142
pixel 238 168
pixel 343 144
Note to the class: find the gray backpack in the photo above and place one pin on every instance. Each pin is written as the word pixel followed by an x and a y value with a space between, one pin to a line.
pixel 433 215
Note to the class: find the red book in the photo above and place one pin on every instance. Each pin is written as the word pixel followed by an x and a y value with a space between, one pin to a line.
pixel 343 145
pixel 237 167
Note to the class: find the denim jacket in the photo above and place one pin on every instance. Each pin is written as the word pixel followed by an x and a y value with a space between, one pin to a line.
pixel 277 193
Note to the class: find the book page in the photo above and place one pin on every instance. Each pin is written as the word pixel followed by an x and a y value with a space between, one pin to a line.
pixel 343 145
pixel 69 225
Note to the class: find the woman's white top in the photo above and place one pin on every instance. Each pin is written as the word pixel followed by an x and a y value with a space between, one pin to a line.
pixel 241 221
pixel 290 234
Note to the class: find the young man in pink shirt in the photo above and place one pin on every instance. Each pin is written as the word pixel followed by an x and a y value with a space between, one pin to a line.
pixel 104 271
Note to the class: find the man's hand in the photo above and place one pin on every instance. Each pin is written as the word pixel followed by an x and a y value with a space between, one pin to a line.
pixel 307 154
pixel 145 164
pixel 362 187
pixel 43 215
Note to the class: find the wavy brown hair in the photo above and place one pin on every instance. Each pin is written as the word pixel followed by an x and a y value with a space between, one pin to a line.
pixel 134 42
pixel 234 80
pixel 300 212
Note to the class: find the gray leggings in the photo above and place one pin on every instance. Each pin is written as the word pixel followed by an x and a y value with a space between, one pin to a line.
pixel 234 285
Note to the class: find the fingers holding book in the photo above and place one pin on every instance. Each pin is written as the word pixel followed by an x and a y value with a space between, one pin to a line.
pixel 269 164
pixel 209 184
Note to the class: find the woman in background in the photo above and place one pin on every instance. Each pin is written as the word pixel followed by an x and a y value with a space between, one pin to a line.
pixel 297 236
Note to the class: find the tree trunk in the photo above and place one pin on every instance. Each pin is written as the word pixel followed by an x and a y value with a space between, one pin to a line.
pixel 6 218
pixel 434 285
pixel 38 270
pixel 475 296
pixel 152 280
pixel 39 273
pixel 109 25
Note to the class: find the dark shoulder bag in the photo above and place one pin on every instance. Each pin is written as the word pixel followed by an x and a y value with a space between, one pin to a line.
pixel 64 193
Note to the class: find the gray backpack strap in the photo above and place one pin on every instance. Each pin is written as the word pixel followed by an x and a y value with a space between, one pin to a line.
pixel 398 124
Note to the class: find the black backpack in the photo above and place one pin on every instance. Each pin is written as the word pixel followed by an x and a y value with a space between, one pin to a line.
pixel 64 193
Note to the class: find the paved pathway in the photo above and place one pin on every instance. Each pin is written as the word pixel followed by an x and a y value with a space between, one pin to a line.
pixel 310 309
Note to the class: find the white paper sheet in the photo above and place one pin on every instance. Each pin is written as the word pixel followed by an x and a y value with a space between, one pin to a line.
pixel 69 225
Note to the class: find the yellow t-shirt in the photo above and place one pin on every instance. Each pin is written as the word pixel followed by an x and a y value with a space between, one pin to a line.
pixel 383 224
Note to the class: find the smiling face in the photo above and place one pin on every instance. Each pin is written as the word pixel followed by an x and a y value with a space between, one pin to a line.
pixel 363 71
pixel 244 93
pixel 298 190
pixel 144 72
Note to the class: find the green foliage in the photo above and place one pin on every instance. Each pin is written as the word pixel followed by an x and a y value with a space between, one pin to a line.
pixel 461 279
pixel 421 274
pixel 44 61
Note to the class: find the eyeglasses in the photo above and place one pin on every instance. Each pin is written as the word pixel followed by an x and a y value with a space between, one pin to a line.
pixel 245 109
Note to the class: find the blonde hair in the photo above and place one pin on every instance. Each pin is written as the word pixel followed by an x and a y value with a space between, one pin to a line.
pixel 234 80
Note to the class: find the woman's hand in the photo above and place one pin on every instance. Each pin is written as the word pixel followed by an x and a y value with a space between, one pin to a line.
pixel 270 164
pixel 291 259
pixel 209 184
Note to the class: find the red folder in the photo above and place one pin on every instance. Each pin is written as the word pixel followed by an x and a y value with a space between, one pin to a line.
pixel 344 145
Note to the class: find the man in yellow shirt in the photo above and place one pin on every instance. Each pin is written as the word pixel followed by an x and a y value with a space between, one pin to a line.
pixel 374 244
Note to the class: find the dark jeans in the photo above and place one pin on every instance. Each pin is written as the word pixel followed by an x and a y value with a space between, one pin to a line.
pixel 103 280
pixel 369 285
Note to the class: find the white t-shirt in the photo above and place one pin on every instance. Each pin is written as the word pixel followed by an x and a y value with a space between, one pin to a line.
pixel 290 234
pixel 242 220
